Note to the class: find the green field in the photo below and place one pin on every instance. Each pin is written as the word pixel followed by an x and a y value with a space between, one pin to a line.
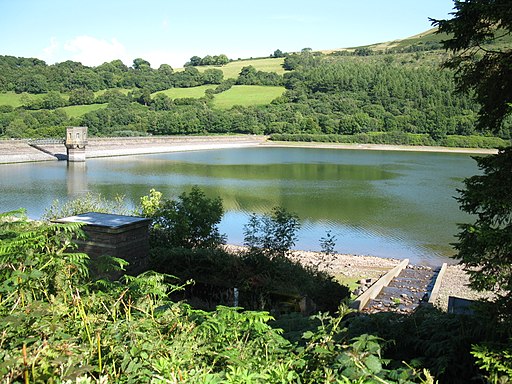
pixel 247 95
pixel 124 91
pixel 79 110
pixel 180 93
pixel 232 69
pixel 16 99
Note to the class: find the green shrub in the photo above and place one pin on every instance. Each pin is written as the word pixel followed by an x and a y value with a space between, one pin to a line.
pixel 274 234
pixel 397 138
pixel 56 326
pixel 438 341
pixel 191 221
pixel 263 283
pixel 87 203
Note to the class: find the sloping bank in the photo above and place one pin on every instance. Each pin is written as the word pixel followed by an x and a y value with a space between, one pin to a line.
pixel 16 151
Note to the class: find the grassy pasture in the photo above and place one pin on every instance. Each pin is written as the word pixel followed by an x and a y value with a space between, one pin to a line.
pixel 124 91
pixel 247 95
pixel 180 93
pixel 79 110
pixel 232 69
pixel 16 99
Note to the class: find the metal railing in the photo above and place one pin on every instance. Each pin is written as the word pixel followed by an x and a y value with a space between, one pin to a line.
pixel 46 141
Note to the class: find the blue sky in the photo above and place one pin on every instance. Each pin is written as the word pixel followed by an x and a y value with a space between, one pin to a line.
pixel 171 31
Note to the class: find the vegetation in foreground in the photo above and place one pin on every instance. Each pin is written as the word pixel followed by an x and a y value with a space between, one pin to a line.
pixel 61 323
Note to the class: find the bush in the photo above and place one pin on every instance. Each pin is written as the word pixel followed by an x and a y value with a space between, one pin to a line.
pixel 433 339
pixel 397 138
pixel 83 204
pixel 191 221
pixel 273 234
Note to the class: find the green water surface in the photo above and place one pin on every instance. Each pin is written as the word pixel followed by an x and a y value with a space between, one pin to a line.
pixel 390 204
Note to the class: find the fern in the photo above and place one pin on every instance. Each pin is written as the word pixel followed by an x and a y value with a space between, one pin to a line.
pixel 496 360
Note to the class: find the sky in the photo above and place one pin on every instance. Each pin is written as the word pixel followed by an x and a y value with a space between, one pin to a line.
pixel 172 31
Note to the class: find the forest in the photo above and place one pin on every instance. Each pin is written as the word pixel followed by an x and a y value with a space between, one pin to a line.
pixel 395 96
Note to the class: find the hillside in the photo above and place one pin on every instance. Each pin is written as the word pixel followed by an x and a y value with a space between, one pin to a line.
pixel 428 40
pixel 387 93
pixel 232 69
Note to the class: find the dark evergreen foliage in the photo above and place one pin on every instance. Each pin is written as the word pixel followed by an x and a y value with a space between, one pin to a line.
pixel 485 246
pixel 479 66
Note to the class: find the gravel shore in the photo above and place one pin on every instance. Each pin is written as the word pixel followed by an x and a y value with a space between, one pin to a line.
pixel 454 283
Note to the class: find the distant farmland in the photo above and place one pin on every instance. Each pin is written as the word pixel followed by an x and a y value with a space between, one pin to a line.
pixel 17 99
pixel 247 95
pixel 79 110
pixel 181 93
pixel 232 69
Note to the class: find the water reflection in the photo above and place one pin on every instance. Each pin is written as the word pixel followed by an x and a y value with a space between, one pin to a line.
pixel 392 204
pixel 76 178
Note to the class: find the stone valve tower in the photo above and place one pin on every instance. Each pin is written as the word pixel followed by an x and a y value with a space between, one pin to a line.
pixel 76 140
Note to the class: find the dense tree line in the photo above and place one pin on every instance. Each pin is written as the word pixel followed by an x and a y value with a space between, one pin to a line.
pixel 359 96
pixel 35 76
pixel 196 61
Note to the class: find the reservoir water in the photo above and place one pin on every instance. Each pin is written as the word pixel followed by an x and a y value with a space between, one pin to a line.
pixel 382 203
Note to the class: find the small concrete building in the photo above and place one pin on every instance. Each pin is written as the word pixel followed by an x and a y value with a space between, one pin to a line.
pixel 125 237
pixel 76 140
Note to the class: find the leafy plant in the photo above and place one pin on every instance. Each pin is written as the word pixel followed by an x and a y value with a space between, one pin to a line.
pixel 87 203
pixel 274 234
pixel 328 245
pixel 496 360
pixel 37 260
pixel 191 221
pixel 328 354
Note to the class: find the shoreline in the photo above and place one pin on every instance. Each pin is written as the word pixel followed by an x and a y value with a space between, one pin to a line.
pixel 355 267
pixel 18 151
pixel 455 281
pixel 379 147
pixel 349 266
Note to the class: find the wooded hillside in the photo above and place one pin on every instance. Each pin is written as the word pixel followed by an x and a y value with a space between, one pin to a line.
pixel 397 92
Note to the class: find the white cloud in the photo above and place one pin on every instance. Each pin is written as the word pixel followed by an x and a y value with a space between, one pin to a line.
pixel 165 24
pixel 87 50
pixel 50 51
pixel 92 51
pixel 175 59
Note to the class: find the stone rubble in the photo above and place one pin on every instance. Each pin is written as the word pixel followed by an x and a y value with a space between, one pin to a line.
pixel 405 292
pixel 455 281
